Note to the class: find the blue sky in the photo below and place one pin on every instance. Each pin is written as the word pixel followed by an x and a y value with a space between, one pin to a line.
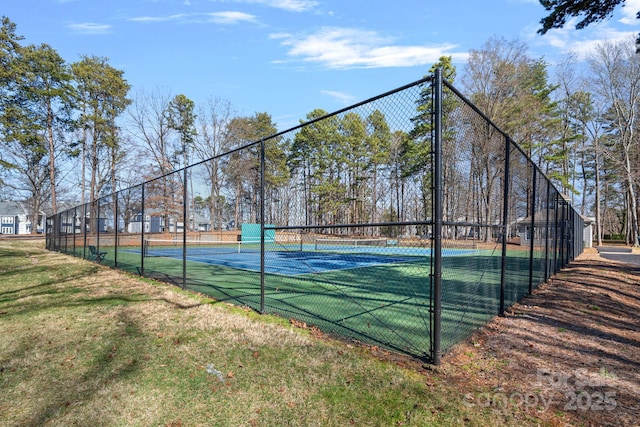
pixel 288 57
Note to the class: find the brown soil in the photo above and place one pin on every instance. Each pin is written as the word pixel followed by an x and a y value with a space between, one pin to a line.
pixel 569 354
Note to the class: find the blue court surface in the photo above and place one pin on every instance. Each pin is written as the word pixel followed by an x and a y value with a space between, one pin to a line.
pixel 300 262
pixel 296 260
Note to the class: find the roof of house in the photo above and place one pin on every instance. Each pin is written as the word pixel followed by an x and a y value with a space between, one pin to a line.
pixel 200 219
pixel 8 207
pixel 540 217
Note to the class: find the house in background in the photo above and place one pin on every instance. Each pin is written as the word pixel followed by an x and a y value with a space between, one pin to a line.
pixel 199 223
pixel 154 222
pixel 540 223
pixel 15 219
pixel 589 224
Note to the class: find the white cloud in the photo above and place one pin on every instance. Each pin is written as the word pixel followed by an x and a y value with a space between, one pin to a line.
pixel 584 48
pixel 89 28
pixel 583 42
pixel 629 11
pixel 176 17
pixel 290 5
pixel 231 17
pixel 346 48
pixel 341 97
pixel 275 36
pixel 226 17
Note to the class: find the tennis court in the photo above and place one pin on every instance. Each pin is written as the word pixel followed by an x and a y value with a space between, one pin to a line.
pixel 294 259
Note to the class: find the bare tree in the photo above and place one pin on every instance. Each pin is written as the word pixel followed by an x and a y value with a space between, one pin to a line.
pixel 213 141
pixel 616 74
pixel 491 78
pixel 150 126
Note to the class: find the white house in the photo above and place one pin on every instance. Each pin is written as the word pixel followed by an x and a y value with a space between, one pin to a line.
pixel 154 222
pixel 540 223
pixel 15 219
pixel 589 223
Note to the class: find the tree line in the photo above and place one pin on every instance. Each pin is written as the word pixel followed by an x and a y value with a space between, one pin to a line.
pixel 72 133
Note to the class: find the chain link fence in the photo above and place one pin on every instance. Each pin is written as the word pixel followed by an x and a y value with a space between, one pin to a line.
pixel 406 221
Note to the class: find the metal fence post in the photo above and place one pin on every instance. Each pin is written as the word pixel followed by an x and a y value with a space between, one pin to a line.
pixel 185 199
pixel 555 235
pixel 575 222
pixel 532 229
pixel 97 202
pixel 73 229
pixel 142 248
pixel 563 236
pixel 84 231
pixel 437 220
pixel 115 230
pixel 505 220
pixel 262 192
pixel 546 235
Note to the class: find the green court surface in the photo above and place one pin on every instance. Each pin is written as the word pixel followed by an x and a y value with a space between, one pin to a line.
pixel 388 304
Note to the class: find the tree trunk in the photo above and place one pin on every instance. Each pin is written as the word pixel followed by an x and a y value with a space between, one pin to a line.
pixel 633 204
pixel 52 166
pixel 598 207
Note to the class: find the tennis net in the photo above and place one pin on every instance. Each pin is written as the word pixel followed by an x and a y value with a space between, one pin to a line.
pixel 169 248
pixel 346 244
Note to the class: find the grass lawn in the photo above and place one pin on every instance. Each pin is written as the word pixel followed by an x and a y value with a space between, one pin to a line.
pixel 81 344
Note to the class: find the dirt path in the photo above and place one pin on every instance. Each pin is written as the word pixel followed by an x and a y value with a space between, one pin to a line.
pixel 569 353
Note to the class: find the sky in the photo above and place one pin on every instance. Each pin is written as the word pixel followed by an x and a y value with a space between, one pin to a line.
pixel 289 57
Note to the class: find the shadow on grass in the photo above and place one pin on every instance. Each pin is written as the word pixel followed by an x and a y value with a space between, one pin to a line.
pixel 45 315
pixel 106 366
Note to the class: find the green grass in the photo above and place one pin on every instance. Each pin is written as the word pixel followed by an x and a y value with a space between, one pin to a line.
pixel 85 345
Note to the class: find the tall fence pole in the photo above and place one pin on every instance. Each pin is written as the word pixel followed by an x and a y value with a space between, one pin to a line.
pixel 505 220
pixel 437 220
pixel 97 222
pixel 115 229
pixel 73 229
pixel 546 235
pixel 84 231
pixel 142 248
pixel 262 192
pixel 185 198
pixel 532 226
pixel 555 233
pixel 563 236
